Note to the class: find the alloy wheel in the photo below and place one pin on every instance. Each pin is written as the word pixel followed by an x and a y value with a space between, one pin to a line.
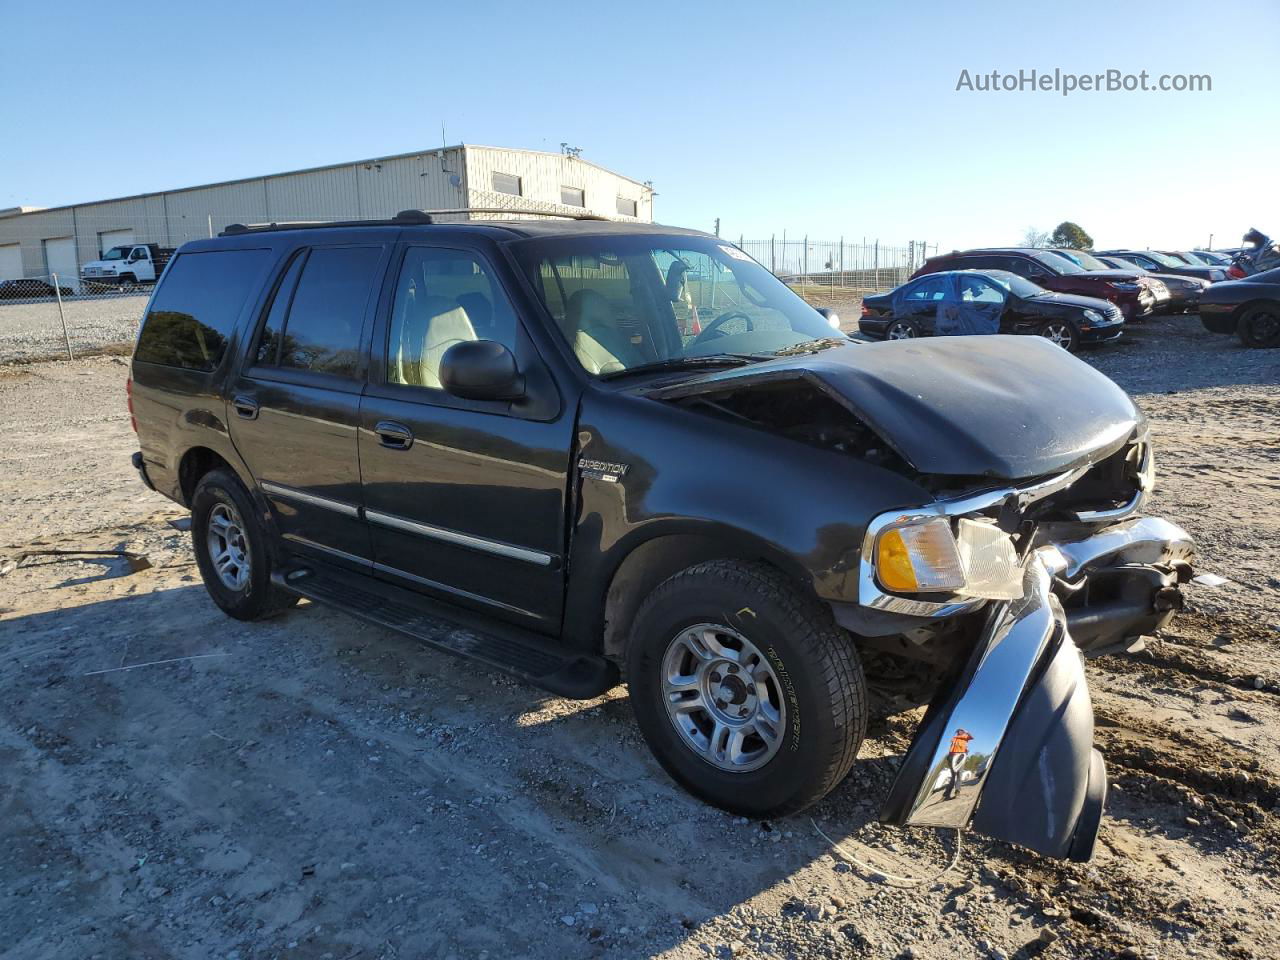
pixel 723 697
pixel 228 547
pixel 898 330
pixel 1059 333
pixel 1262 327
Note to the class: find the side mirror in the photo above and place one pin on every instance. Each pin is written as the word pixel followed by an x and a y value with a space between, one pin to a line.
pixel 481 370
pixel 830 316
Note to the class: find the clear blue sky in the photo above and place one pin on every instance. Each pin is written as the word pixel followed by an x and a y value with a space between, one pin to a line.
pixel 828 119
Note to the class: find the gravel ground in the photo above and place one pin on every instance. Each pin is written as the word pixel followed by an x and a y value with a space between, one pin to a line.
pixel 311 787
pixel 32 330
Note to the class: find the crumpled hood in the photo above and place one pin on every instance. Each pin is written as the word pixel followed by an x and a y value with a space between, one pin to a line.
pixel 1004 407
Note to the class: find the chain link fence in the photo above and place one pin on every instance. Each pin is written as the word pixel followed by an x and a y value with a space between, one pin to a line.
pixel 72 284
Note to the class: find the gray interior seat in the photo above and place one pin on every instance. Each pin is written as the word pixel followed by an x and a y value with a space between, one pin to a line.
pixel 431 326
pixel 590 327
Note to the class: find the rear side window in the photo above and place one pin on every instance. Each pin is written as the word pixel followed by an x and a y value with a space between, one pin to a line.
pixel 194 310
pixel 322 330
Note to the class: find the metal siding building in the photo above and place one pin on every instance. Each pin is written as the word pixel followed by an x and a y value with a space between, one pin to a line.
pixel 59 240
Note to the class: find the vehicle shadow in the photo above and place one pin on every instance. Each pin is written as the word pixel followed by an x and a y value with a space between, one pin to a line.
pixel 312 779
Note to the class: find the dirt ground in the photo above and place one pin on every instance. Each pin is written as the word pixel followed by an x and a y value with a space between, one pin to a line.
pixel 178 784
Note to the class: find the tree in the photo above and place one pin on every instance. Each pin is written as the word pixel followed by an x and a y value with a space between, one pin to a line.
pixel 1068 234
pixel 1035 238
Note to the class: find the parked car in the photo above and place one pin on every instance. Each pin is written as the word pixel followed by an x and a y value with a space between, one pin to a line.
pixel 1132 294
pixel 1162 263
pixel 988 301
pixel 500 425
pixel 1249 308
pixel 126 267
pixel 1213 258
pixel 1087 261
pixel 29 288
pixel 1184 292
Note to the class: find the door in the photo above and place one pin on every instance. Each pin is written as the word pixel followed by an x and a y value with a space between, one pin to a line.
pixel 10 261
pixel 465 499
pixel 293 409
pixel 920 302
pixel 60 258
pixel 113 238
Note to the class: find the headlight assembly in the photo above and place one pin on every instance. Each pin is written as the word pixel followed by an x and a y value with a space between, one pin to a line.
pixel 925 556
pixel 1093 316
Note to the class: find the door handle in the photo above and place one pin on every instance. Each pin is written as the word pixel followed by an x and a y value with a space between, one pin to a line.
pixel 395 436
pixel 246 408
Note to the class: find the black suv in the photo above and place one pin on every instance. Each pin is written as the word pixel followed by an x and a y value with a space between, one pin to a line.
pixel 602 449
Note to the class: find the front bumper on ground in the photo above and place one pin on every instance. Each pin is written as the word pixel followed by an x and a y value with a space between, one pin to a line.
pixel 1028 774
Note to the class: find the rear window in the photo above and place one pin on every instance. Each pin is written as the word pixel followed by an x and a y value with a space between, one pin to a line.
pixel 196 306
pixel 322 333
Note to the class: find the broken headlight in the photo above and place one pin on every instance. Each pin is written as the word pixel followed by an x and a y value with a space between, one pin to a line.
pixel 926 555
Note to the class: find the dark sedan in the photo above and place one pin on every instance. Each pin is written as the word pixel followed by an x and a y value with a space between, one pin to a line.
pixel 29 289
pixel 1249 308
pixel 1162 263
pixel 1184 292
pixel 987 301
pixel 1132 294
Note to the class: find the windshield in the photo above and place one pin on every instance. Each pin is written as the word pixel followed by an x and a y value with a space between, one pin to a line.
pixel 1193 258
pixel 1059 263
pixel 1020 286
pixel 1083 259
pixel 632 301
pixel 1121 263
pixel 117 253
pixel 1163 259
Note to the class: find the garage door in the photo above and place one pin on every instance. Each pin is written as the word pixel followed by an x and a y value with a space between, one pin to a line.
pixel 10 261
pixel 113 238
pixel 60 258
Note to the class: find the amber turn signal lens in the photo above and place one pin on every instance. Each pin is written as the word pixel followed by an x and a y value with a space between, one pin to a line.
pixel 893 565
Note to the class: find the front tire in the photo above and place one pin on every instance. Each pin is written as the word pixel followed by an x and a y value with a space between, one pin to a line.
pixel 231 549
pixel 1061 332
pixel 1260 326
pixel 747 692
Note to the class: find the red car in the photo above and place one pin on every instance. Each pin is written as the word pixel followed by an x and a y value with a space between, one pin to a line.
pixel 1125 288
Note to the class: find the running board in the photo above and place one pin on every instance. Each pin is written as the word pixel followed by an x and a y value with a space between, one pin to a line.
pixel 520 653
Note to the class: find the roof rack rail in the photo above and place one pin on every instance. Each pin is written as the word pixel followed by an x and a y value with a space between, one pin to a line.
pixel 400 219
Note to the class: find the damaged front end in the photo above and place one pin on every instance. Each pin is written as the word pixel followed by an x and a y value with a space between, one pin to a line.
pixel 1006 747
pixel 1028 554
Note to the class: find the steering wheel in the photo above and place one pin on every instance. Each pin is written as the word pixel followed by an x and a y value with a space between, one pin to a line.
pixel 712 330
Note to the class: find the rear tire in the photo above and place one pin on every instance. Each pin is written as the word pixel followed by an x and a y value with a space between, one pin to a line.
pixel 794 726
pixel 1259 327
pixel 902 330
pixel 231 549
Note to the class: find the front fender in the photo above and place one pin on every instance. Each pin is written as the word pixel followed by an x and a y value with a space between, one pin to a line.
pixel 647 468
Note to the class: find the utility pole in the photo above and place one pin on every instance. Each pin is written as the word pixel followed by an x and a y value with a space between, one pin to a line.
pixel 717 226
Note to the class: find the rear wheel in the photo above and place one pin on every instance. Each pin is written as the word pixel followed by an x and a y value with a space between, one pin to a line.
pixel 747 692
pixel 1260 326
pixel 231 549
pixel 1061 332
pixel 902 330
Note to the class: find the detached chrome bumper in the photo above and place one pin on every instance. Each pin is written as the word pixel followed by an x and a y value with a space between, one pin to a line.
pixel 1027 772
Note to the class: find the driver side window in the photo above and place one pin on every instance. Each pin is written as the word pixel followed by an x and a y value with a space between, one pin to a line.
pixel 443 297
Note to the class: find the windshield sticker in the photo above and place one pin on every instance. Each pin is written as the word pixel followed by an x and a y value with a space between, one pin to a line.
pixel 735 253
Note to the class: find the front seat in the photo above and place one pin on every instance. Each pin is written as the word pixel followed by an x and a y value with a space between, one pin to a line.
pixel 432 326
pixel 592 331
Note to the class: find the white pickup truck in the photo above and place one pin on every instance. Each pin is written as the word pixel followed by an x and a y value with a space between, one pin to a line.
pixel 125 267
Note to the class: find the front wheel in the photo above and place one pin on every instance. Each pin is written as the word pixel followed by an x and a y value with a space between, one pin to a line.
pixel 1061 332
pixel 747 692
pixel 1260 326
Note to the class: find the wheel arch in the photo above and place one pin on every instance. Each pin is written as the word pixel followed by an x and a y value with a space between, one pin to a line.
pixel 649 562
pixel 195 463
